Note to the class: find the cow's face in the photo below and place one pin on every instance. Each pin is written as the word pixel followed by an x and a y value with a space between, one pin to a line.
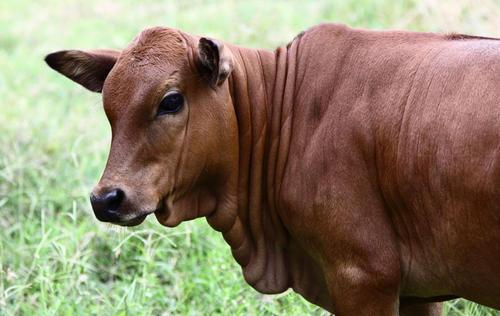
pixel 173 125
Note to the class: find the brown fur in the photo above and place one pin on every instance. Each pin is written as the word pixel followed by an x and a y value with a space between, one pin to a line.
pixel 359 168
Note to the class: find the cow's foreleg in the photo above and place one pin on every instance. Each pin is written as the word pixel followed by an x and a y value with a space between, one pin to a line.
pixel 356 292
pixel 351 237
pixel 427 309
pixel 361 262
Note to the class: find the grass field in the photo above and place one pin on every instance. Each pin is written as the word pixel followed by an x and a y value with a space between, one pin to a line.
pixel 55 258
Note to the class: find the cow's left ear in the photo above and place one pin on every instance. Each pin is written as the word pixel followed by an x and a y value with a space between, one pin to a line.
pixel 88 68
pixel 215 61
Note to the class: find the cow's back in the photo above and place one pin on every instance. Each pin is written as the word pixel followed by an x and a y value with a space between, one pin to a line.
pixel 410 122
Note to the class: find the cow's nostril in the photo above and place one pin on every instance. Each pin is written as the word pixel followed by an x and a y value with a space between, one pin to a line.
pixel 106 206
pixel 114 199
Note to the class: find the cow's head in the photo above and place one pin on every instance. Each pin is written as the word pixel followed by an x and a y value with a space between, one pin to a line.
pixel 174 135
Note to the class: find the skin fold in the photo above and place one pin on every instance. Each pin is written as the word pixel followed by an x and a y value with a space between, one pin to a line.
pixel 360 168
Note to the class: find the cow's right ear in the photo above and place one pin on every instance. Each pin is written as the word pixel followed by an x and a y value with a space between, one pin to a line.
pixel 88 68
pixel 215 61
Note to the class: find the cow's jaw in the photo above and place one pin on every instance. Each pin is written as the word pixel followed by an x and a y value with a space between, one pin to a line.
pixel 173 210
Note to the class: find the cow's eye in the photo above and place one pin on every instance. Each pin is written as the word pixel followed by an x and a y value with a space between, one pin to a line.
pixel 172 103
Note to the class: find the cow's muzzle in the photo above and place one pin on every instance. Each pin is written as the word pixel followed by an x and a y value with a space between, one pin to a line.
pixel 106 208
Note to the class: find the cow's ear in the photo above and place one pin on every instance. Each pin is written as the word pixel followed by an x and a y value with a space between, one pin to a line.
pixel 215 61
pixel 88 68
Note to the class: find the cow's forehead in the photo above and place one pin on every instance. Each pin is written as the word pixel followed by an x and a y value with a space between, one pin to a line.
pixel 153 52
pixel 146 63
pixel 155 46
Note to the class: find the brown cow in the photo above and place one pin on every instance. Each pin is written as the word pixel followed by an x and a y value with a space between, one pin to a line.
pixel 360 168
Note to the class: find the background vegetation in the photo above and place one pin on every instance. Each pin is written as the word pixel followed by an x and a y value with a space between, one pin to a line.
pixel 55 258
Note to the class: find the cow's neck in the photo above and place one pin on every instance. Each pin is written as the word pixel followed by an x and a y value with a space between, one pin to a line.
pixel 256 235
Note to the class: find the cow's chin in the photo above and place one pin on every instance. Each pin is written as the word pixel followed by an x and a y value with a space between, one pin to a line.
pixel 163 215
pixel 191 205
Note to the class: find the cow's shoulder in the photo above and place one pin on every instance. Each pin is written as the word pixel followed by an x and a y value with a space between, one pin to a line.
pixel 321 31
pixel 330 29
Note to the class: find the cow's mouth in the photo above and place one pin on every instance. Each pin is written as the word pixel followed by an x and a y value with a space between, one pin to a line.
pixel 160 212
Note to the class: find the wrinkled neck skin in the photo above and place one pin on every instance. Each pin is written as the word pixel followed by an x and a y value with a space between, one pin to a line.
pixel 271 260
pixel 256 235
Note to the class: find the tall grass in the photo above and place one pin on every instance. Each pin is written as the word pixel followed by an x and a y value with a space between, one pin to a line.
pixel 55 259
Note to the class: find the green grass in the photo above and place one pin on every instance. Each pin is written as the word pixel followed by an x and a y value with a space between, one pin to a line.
pixel 55 258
